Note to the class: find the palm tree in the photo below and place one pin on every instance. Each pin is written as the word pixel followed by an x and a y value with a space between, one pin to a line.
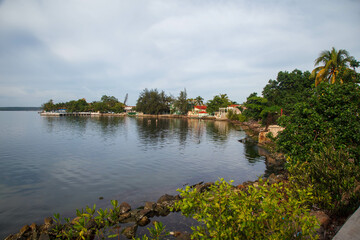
pixel 199 100
pixel 334 62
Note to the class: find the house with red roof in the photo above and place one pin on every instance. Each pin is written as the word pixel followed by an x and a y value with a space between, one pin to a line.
pixel 198 111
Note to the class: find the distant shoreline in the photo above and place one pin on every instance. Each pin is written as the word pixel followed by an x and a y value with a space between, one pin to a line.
pixel 20 108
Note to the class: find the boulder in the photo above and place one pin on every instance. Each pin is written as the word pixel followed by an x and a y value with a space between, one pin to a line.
pixel 124 207
pixel 150 206
pixel 48 221
pixel 130 232
pixel 25 229
pixel 203 187
pixel 143 221
pixel 165 198
pixel 323 218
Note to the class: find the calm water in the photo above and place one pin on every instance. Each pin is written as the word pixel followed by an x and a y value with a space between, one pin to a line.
pixel 59 164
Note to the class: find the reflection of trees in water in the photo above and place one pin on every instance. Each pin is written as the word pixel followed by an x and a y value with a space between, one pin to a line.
pixel 218 131
pixel 77 123
pixel 251 152
pixel 152 130
pixel 109 125
pixel 196 128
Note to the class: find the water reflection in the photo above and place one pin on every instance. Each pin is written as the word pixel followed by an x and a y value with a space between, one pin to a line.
pixel 58 164
pixel 108 126
pixel 251 151
pixel 218 131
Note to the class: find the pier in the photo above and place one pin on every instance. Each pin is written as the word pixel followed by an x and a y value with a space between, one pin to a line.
pixel 59 114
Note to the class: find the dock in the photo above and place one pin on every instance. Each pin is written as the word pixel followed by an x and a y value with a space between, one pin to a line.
pixel 60 114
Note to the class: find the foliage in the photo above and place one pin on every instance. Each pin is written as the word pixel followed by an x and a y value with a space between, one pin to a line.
pixel 181 104
pixel 158 232
pixel 237 117
pixel 288 89
pixel 107 104
pixel 48 106
pixel 262 212
pixel 219 101
pixel 199 101
pixel 336 66
pixel 153 102
pixel 335 177
pixel 332 109
pixel 254 106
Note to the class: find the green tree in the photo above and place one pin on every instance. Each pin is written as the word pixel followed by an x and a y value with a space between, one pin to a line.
pixel 332 109
pixel 255 106
pixel 199 101
pixel 48 106
pixel 334 63
pixel 219 101
pixel 288 89
pixel 181 104
pixel 153 102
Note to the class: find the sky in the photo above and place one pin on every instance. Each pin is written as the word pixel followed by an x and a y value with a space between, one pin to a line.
pixel 71 49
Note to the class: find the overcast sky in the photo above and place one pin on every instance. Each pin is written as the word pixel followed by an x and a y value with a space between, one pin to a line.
pixel 72 49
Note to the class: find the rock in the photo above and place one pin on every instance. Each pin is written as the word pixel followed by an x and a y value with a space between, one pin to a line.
pixel 124 216
pixel 44 236
pixel 24 230
pixel 124 207
pixel 323 218
pixel 183 236
pixel 272 179
pixel 139 214
pixel 203 187
pixel 150 206
pixel 241 187
pixel 165 198
pixel 263 138
pixel 48 221
pixel 144 221
pixel 162 210
pixel 33 226
pixel 10 237
pixel 130 232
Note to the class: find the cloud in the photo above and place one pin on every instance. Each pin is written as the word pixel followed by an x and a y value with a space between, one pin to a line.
pixel 74 49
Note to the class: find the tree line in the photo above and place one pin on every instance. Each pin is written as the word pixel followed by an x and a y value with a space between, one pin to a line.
pixel 105 105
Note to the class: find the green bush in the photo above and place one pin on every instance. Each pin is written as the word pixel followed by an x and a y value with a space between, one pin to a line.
pixel 263 212
pixel 334 176
pixel 331 110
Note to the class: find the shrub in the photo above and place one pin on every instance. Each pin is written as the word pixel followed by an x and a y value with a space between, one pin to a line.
pixel 263 212
pixel 331 110
pixel 334 175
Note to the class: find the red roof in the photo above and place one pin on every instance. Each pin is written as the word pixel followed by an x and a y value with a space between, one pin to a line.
pixel 234 105
pixel 200 107
pixel 203 112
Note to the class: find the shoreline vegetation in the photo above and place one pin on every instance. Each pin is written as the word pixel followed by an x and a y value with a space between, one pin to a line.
pixel 316 147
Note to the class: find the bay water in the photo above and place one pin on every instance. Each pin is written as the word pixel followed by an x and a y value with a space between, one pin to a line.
pixel 59 164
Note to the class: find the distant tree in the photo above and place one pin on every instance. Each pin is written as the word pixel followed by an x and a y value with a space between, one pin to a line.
pixel 77 106
pixel 48 106
pixel 255 106
pixel 110 101
pixel 153 102
pixel 181 103
pixel 199 101
pixel 110 104
pixel 335 65
pixel 219 101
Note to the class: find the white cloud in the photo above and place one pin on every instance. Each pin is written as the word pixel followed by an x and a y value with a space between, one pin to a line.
pixel 93 47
